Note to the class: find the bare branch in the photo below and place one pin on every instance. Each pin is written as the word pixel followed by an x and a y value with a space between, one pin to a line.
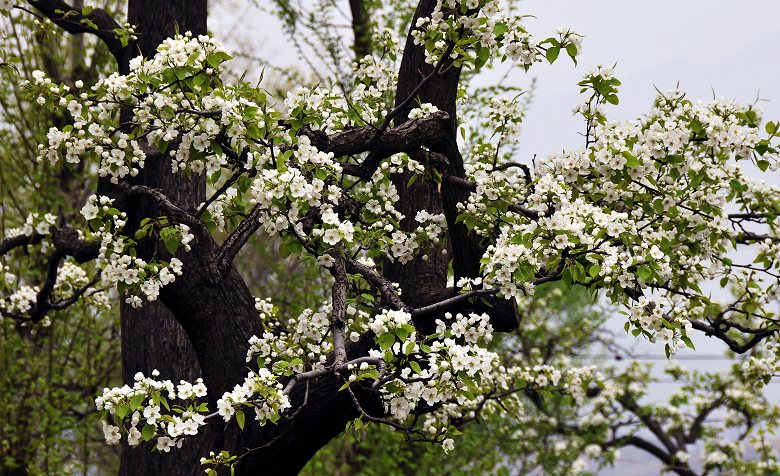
pixel 379 282
pixel 444 305
pixel 238 238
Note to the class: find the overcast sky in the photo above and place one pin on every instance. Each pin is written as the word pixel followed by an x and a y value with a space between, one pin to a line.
pixel 729 47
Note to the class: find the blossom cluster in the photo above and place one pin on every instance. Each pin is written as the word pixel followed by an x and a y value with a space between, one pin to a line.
pixel 644 206
pixel 474 32
pixel 35 223
pixel 120 266
pixel 260 391
pixel 152 409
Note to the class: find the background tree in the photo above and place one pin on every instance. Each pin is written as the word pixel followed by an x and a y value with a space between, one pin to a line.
pixel 428 252
pixel 49 371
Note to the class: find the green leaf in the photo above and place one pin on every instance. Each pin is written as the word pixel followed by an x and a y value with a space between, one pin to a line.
pixel 122 411
pixel 552 53
pixel 644 273
pixel 386 341
pixel 631 160
pixel 89 23
pixel 594 270
pixel 571 49
pixel 171 244
pixel 240 419
pixel 688 342
pixel 148 431
pixel 136 401
pixel 409 347
pixel 213 61
pixel 483 55
pixel 415 366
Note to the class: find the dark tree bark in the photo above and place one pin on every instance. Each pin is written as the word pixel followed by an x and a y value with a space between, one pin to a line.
pixel 421 280
pixel 152 338
pixel 424 281
pixel 360 28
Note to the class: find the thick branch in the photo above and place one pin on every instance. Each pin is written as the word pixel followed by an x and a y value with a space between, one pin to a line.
pixel 167 206
pixel 64 239
pixel 70 20
pixel 643 414
pixel 238 238
pixel 380 283
pixel 695 431
pixel 472 187
pixel 433 132
pixel 17 241
pixel 641 443
pixel 42 299
pixel 360 28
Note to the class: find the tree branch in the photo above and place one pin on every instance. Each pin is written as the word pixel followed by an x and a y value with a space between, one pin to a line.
pixel 432 131
pixel 65 240
pixel 472 187
pixel 630 404
pixel 166 205
pixel 735 346
pixel 70 20
pixel 379 282
pixel 446 304
pixel 238 238
pixel 360 28
pixel 339 305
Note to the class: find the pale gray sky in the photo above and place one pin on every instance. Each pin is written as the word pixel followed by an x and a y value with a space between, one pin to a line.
pixel 730 47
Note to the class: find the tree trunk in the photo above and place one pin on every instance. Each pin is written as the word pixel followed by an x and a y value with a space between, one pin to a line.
pixel 151 336
pixel 425 281
pixel 421 280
